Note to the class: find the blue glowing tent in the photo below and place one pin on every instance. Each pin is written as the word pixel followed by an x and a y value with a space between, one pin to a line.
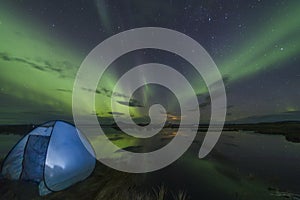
pixel 54 155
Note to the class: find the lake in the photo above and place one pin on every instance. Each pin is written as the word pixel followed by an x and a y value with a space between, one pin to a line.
pixel 243 165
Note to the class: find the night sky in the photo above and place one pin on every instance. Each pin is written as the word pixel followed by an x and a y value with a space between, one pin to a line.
pixel 255 45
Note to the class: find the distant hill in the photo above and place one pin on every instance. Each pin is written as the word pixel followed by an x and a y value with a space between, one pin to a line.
pixel 281 117
pixel 16 129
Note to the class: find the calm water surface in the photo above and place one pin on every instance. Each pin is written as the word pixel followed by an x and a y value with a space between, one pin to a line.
pixel 243 165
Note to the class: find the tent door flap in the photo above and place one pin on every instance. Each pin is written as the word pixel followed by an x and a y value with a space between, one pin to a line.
pixel 34 158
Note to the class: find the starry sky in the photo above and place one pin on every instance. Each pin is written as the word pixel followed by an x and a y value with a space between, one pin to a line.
pixel 255 45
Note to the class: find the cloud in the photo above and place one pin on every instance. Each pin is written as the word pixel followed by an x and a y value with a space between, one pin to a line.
pixel 130 148
pixel 131 103
pixel 230 106
pixel 204 104
pixel 64 90
pixel 4 56
pixel 216 85
pixel 115 113
pixel 206 100
pixel 63 68
pixel 116 138
pixel 108 93
pixel 171 116
pixel 90 90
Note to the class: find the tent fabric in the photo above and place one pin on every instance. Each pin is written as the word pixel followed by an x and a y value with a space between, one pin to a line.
pixel 66 151
pixel 34 158
pixel 12 165
pixel 43 190
pixel 54 155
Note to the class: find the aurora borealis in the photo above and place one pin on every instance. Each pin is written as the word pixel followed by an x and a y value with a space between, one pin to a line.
pixel 255 44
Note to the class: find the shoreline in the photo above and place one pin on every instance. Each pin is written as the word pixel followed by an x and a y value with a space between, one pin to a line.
pixel 289 129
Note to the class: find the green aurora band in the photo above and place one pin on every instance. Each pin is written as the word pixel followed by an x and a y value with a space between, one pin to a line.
pixel 276 43
pixel 37 68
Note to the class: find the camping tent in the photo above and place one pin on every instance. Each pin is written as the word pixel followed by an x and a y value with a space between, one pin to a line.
pixel 54 155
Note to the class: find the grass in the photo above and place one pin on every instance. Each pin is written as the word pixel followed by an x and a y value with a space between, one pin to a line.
pixel 104 183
